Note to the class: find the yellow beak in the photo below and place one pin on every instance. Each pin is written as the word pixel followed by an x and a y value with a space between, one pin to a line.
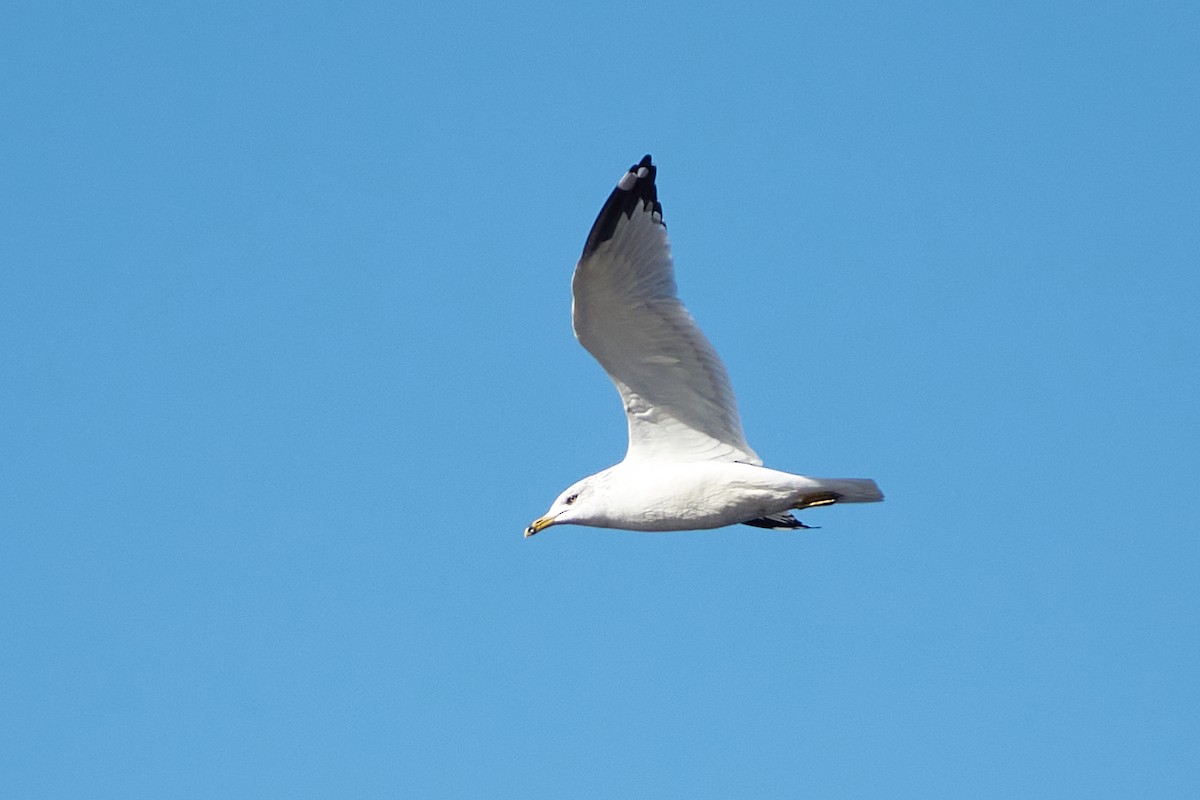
pixel 538 526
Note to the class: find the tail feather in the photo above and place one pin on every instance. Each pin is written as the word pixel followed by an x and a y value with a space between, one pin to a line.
pixel 851 490
pixel 824 491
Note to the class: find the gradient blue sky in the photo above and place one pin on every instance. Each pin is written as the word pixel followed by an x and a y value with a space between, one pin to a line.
pixel 288 367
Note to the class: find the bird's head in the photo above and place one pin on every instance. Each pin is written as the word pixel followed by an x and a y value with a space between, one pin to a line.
pixel 575 506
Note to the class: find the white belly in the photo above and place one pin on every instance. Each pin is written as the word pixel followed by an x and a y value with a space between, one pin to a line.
pixel 684 496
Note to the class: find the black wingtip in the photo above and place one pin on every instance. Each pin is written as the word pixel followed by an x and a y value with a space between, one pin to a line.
pixel 636 190
pixel 784 521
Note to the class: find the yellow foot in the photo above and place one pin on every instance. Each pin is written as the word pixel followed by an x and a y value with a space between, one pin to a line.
pixel 817 499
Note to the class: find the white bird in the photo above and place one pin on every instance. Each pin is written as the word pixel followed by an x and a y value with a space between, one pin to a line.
pixel 688 465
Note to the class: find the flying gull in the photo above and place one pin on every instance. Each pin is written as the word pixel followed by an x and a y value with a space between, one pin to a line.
pixel 688 465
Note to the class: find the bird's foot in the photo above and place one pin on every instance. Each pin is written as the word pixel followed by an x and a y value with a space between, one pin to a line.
pixel 817 499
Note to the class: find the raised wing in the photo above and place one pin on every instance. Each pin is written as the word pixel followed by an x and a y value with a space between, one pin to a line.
pixel 627 314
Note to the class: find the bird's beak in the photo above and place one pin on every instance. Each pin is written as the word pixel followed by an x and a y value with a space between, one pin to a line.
pixel 538 526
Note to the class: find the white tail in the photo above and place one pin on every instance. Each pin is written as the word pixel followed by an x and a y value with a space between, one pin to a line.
pixel 852 490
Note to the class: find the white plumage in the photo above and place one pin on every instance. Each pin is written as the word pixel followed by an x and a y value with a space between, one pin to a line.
pixel 688 464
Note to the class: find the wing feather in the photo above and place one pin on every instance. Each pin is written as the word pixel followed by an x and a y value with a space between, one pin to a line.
pixel 626 312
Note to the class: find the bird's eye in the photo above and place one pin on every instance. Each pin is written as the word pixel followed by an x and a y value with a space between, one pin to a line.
pixel 571 499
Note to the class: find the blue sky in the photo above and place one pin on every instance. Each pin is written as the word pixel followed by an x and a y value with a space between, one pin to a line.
pixel 284 309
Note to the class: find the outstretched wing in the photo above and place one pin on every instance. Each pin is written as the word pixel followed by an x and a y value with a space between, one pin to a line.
pixel 627 314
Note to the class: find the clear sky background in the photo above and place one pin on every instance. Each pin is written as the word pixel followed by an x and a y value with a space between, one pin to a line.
pixel 288 367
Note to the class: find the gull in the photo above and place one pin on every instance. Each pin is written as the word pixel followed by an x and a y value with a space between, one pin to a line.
pixel 688 465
